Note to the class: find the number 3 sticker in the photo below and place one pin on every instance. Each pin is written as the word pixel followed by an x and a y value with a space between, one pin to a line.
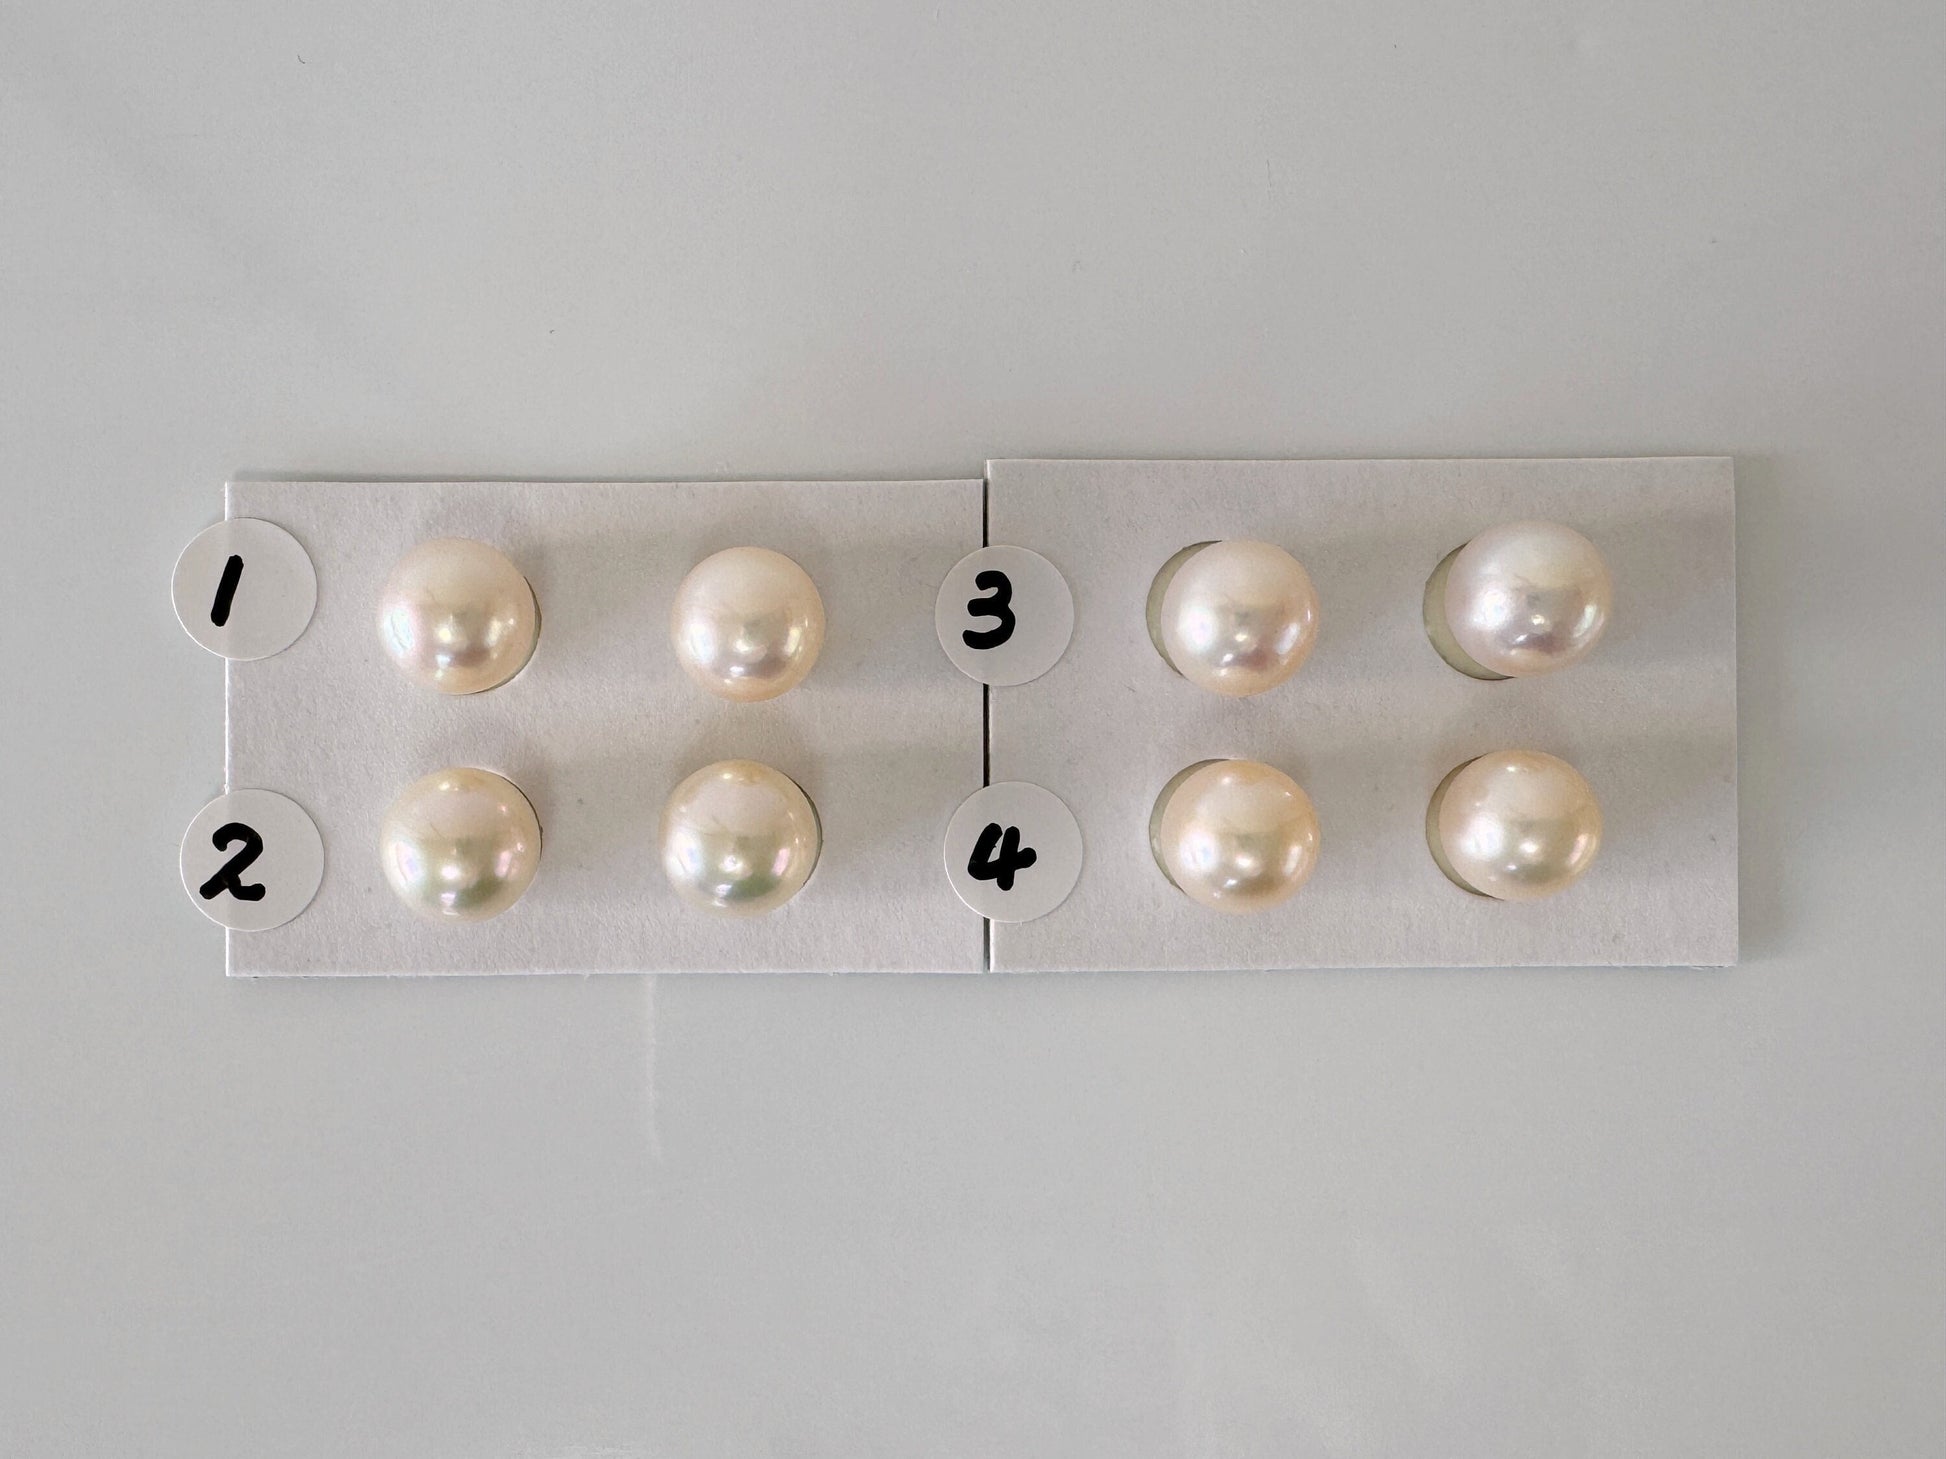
pixel 1004 615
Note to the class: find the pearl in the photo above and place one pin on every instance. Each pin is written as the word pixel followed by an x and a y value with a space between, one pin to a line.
pixel 457 616
pixel 460 845
pixel 1235 836
pixel 747 624
pixel 1516 824
pixel 739 838
pixel 1235 618
pixel 1520 599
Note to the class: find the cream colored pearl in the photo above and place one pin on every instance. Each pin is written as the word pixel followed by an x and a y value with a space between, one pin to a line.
pixel 1520 599
pixel 747 624
pixel 1516 824
pixel 460 845
pixel 457 616
pixel 1235 618
pixel 1235 836
pixel 739 838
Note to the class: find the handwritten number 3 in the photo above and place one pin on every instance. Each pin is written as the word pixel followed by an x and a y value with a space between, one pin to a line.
pixel 228 877
pixel 999 595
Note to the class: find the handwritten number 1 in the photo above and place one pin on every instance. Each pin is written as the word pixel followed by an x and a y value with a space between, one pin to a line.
pixel 219 611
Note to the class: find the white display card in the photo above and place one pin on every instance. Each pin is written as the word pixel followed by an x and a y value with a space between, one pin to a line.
pixel 885 735
pixel 1375 719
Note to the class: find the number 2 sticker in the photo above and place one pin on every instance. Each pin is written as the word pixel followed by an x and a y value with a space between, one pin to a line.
pixel 1004 615
pixel 252 860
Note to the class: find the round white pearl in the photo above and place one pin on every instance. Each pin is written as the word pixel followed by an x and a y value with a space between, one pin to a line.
pixel 1520 599
pixel 1516 824
pixel 460 845
pixel 457 616
pixel 1235 617
pixel 739 838
pixel 1234 835
pixel 747 624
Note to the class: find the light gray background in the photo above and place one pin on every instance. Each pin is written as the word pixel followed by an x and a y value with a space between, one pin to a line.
pixel 1452 1213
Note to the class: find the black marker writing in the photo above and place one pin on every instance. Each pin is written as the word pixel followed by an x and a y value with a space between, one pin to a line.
pixel 1000 593
pixel 228 875
pixel 1013 857
pixel 219 611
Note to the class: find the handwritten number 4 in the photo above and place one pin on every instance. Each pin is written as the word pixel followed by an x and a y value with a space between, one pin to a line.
pixel 999 591
pixel 1000 869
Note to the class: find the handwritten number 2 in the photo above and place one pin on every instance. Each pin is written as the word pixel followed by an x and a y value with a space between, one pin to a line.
pixel 999 591
pixel 229 876
pixel 1000 869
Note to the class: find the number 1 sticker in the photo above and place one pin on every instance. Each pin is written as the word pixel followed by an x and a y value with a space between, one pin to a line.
pixel 1004 615
pixel 1013 851
pixel 245 588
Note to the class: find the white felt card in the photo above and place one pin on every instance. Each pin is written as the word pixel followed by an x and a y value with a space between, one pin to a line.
pixel 885 735
pixel 1375 719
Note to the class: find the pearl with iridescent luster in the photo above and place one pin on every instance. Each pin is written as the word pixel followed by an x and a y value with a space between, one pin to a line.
pixel 1520 599
pixel 460 845
pixel 1235 617
pixel 1234 835
pixel 457 616
pixel 739 838
pixel 1516 825
pixel 747 624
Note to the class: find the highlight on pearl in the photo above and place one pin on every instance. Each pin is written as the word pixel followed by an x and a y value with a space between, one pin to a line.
pixel 1520 599
pixel 457 616
pixel 1517 825
pixel 1235 618
pixel 747 624
pixel 460 845
pixel 1234 835
pixel 739 838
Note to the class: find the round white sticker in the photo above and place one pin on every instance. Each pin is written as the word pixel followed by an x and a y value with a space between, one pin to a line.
pixel 1004 615
pixel 245 588
pixel 252 860
pixel 1013 851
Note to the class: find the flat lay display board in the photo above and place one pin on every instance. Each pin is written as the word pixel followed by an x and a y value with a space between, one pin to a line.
pixel 602 723
pixel 1518 1213
pixel 1375 719
pixel 887 736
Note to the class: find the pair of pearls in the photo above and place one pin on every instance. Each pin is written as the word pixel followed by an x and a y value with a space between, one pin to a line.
pixel 741 838
pixel 737 837
pixel 463 844
pixel 1237 836
pixel 1238 618
pixel 457 616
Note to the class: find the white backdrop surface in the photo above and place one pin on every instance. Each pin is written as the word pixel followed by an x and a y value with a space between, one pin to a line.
pixel 1530 1212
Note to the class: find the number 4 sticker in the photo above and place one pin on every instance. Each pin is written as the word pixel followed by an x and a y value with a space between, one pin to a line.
pixel 1013 851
